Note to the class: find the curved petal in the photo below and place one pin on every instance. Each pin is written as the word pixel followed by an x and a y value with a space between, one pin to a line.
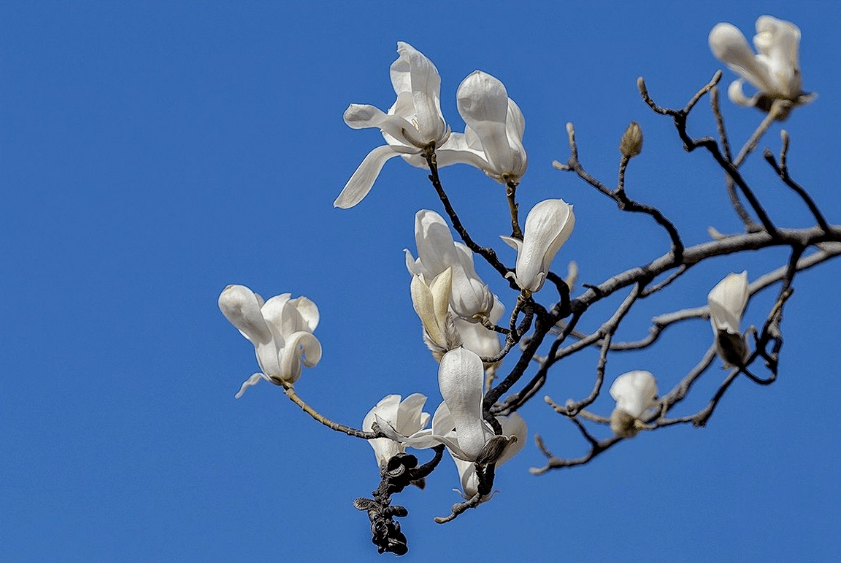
pixel 457 150
pixel 467 475
pixel 359 116
pixel 241 307
pixel 737 95
pixel 301 347
pixel 780 41
pixel 250 382
pixel 483 104
pixel 409 414
pixel 729 45
pixel 460 378
pixel 515 127
pixel 634 392
pixel 384 448
pixel 363 179
pixel 436 248
pixel 727 301
pixel 308 312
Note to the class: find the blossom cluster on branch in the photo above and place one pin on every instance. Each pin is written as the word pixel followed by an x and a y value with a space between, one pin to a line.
pixel 462 321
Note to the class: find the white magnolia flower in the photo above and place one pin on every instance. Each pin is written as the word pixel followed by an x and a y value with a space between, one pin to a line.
pixel 280 329
pixel 406 417
pixel 413 124
pixel 774 71
pixel 493 136
pixel 437 251
pixel 458 422
pixel 727 302
pixel 548 227
pixel 634 393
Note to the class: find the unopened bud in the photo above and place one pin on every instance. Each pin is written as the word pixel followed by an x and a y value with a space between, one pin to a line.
pixel 631 143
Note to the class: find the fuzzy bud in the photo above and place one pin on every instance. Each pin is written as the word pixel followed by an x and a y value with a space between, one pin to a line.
pixel 631 143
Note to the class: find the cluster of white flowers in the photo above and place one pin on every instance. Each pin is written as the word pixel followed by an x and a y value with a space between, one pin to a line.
pixel 456 308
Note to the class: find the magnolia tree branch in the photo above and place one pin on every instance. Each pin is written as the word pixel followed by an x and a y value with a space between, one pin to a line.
pixel 542 329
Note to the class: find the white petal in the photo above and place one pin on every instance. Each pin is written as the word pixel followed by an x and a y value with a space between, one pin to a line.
pixel 241 307
pixel 409 414
pixel 434 241
pixel 250 382
pixel 384 448
pixel 727 301
pixel 483 104
pixel 308 312
pixel 363 179
pixel 729 45
pixel 737 95
pixel 457 150
pixel 301 347
pixel 634 392
pixel 460 378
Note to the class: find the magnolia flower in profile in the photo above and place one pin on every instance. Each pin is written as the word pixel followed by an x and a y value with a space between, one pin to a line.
pixel 406 417
pixel 727 302
pixel 458 422
pixel 437 251
pixel 548 227
pixel 774 71
pixel 635 393
pixel 412 125
pixel 280 330
pixel 432 304
pixel 493 136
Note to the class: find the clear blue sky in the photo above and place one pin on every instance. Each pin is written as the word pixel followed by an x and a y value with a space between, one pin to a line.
pixel 153 152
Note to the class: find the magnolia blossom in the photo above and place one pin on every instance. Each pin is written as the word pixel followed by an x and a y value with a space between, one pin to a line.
pixel 412 125
pixel 635 393
pixel 493 135
pixel 458 422
pixel 774 70
pixel 437 251
pixel 432 304
pixel 727 302
pixel 280 329
pixel 406 417
pixel 548 227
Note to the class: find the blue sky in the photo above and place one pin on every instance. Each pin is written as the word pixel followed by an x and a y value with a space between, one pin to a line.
pixel 154 152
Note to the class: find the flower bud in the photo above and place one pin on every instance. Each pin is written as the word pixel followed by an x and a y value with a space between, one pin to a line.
pixel 631 143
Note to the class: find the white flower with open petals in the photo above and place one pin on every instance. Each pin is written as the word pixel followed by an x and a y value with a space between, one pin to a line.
pixel 412 125
pixel 458 422
pixel 774 70
pixel 280 330
pixel 635 393
pixel 493 136
pixel 437 251
pixel 548 226
pixel 727 302
pixel 406 417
